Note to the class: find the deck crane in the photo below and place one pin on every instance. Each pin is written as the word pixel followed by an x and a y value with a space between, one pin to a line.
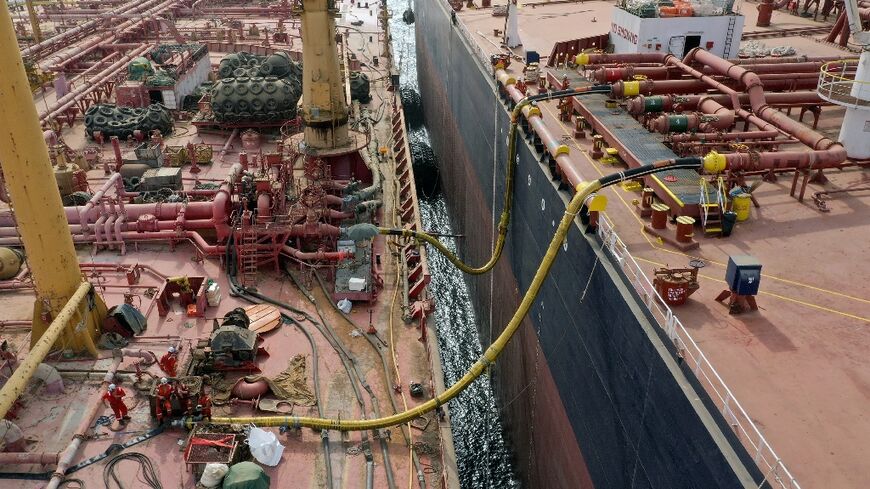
pixel 67 312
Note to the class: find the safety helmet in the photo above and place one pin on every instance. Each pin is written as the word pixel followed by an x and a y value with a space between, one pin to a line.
pixel 172 349
pixel 112 387
pixel 164 380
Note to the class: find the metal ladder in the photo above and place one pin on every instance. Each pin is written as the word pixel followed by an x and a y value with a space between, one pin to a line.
pixel 729 36
pixel 712 208
pixel 246 249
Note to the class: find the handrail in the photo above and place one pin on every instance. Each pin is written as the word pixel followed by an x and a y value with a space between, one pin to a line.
pixel 839 89
pixel 750 436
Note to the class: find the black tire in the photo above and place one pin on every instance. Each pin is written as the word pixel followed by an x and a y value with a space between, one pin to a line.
pixel 244 116
pixel 155 117
pixel 100 120
pixel 255 87
pixel 269 86
pixel 227 89
pixel 241 89
pixel 243 105
pixel 107 110
pixel 271 104
pixel 257 105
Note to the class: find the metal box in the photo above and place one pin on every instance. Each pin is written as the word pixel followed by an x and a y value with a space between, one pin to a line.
pixel 149 154
pixel 132 94
pixel 158 178
pixel 743 274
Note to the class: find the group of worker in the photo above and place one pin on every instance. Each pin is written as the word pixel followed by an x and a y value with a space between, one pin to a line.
pixel 114 395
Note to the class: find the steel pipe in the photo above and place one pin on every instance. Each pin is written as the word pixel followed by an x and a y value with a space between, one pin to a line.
pixel 668 103
pixel 70 99
pixel 16 384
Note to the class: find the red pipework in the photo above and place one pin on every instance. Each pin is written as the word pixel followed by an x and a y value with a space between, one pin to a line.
pixel 67 36
pixel 316 255
pixel 828 152
pixel 568 171
pixel 610 75
pixel 636 105
pixel 70 99
pixel 23 458
pixel 264 205
pixel 679 87
pixel 725 136
pixel 116 147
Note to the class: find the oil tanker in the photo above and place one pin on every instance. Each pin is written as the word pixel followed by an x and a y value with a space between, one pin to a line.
pixel 617 379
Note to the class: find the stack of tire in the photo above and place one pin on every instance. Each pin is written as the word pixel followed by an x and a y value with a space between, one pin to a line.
pixel 112 120
pixel 360 88
pixel 257 88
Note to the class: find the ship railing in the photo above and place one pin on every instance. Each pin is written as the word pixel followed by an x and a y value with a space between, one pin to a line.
pixel 689 353
pixel 837 85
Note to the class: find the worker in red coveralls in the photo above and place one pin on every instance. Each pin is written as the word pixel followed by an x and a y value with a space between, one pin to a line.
pixel 114 396
pixel 203 405
pixel 169 361
pixel 163 406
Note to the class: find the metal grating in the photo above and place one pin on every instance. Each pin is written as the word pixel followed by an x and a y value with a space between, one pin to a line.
pixel 646 147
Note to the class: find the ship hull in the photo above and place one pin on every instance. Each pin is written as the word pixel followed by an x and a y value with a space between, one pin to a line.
pixel 591 394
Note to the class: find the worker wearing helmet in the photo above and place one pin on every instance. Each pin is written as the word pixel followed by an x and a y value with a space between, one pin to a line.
pixel 163 404
pixel 169 362
pixel 203 406
pixel 114 396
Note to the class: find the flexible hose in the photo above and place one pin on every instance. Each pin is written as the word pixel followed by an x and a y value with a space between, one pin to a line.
pixel 492 353
pixel 511 164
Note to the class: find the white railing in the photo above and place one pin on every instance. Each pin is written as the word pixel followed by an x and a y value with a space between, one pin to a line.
pixel 837 85
pixel 773 468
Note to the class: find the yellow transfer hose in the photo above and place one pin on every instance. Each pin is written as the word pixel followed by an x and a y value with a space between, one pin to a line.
pixel 488 357
pixel 511 164
pixel 493 352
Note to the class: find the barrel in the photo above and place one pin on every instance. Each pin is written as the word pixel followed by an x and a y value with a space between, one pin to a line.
pixel 741 203
pixel 673 288
pixel 685 226
pixel 660 216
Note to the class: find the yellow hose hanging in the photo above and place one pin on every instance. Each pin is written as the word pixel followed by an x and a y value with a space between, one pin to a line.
pixel 583 192
pixel 505 218
pixel 488 357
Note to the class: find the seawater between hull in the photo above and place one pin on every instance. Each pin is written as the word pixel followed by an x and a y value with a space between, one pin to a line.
pixel 483 457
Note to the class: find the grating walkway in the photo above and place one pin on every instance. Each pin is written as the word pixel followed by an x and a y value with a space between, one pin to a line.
pixel 682 184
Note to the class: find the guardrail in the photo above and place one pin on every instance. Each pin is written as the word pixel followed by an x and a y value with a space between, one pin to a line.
pixel 837 88
pixel 747 432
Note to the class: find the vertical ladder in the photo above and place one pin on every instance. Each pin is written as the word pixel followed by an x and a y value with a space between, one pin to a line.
pixel 729 36
pixel 247 250
pixel 712 208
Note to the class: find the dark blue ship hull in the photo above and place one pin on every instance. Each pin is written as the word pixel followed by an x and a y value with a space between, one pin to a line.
pixel 592 393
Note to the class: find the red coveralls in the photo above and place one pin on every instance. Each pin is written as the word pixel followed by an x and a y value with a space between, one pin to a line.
pixel 204 402
pixel 163 405
pixel 168 363
pixel 115 399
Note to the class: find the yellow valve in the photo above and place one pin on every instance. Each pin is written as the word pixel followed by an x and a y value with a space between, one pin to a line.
pixel 630 88
pixel 581 59
pixel 715 162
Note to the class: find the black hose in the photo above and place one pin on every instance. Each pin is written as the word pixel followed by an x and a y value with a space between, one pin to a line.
pixel 147 470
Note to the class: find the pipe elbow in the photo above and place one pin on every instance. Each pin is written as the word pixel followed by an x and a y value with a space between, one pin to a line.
pixel 50 378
